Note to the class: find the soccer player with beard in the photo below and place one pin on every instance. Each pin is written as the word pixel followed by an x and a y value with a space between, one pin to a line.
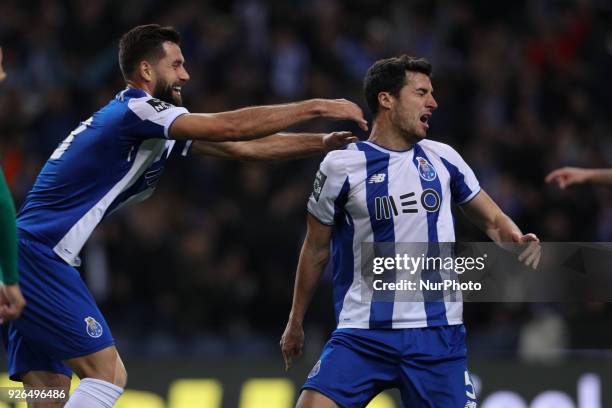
pixel 396 187
pixel 112 159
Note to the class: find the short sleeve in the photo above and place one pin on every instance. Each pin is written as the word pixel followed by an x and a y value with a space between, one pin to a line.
pixel 463 182
pixel 150 118
pixel 330 183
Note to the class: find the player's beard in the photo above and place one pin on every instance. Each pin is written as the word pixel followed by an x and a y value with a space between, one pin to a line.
pixel 163 91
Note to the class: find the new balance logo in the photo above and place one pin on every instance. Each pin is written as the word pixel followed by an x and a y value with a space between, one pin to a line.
pixel 377 178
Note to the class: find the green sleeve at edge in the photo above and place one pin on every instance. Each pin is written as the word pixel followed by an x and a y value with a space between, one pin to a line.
pixel 8 235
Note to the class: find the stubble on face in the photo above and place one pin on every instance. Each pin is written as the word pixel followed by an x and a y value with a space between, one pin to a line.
pixel 413 107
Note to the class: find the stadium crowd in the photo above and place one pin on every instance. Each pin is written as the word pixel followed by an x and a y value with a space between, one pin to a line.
pixel 206 265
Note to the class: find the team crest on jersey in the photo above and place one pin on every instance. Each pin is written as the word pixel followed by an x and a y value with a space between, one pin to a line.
pixel 315 370
pixel 159 105
pixel 319 182
pixel 426 170
pixel 94 329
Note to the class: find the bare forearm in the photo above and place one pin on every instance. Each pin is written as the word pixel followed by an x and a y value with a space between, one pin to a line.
pixel 490 219
pixel 258 121
pixel 247 123
pixel 502 229
pixel 280 146
pixel 600 176
pixel 311 264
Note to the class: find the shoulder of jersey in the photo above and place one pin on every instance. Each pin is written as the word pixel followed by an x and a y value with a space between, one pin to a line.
pixel 138 97
pixel 348 152
pixel 437 147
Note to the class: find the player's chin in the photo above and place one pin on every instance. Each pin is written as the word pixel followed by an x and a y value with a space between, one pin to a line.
pixel 177 100
pixel 420 134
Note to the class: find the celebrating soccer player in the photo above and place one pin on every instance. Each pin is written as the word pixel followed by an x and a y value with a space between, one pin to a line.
pixel 112 159
pixel 359 196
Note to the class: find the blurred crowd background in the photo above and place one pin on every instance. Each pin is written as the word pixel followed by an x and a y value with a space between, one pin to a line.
pixel 205 267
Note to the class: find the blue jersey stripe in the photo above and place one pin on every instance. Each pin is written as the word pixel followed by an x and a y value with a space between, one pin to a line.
pixel 459 188
pixel 434 300
pixel 377 162
pixel 342 249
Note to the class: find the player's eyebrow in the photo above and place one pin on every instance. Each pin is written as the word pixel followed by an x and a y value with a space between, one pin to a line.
pixel 424 90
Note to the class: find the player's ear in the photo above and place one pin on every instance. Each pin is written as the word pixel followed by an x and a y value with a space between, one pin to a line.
pixel 145 70
pixel 384 100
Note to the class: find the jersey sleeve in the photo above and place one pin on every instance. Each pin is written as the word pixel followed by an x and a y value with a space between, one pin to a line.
pixel 8 236
pixel 150 118
pixel 463 182
pixel 182 147
pixel 330 182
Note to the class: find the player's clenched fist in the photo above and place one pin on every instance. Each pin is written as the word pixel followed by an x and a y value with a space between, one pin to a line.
pixel 11 302
pixel 336 140
pixel 566 176
pixel 343 109
pixel 292 343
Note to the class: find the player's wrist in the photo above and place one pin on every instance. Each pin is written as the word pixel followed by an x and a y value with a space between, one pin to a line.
pixel 295 320
pixel 316 107
pixel 595 175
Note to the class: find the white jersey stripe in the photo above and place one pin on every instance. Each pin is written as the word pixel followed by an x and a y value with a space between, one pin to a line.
pixel 71 244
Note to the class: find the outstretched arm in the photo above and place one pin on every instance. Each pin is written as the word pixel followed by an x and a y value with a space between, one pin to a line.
pixel 567 176
pixel 487 216
pixel 280 146
pixel 313 258
pixel 259 121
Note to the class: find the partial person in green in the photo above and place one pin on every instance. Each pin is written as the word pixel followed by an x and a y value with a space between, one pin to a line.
pixel 11 299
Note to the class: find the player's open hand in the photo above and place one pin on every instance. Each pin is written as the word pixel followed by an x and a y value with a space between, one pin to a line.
pixel 531 255
pixel 567 176
pixel 336 140
pixel 292 343
pixel 11 302
pixel 2 73
pixel 344 109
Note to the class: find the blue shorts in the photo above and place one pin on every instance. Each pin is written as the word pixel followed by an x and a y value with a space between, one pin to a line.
pixel 61 319
pixel 428 365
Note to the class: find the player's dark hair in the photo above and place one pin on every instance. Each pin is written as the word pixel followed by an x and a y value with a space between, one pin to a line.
pixel 144 42
pixel 389 75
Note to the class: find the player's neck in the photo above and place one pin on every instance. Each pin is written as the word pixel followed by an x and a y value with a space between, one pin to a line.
pixel 387 136
pixel 140 85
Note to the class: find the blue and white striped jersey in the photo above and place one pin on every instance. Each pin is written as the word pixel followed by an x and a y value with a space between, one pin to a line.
pixel 372 194
pixel 112 159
